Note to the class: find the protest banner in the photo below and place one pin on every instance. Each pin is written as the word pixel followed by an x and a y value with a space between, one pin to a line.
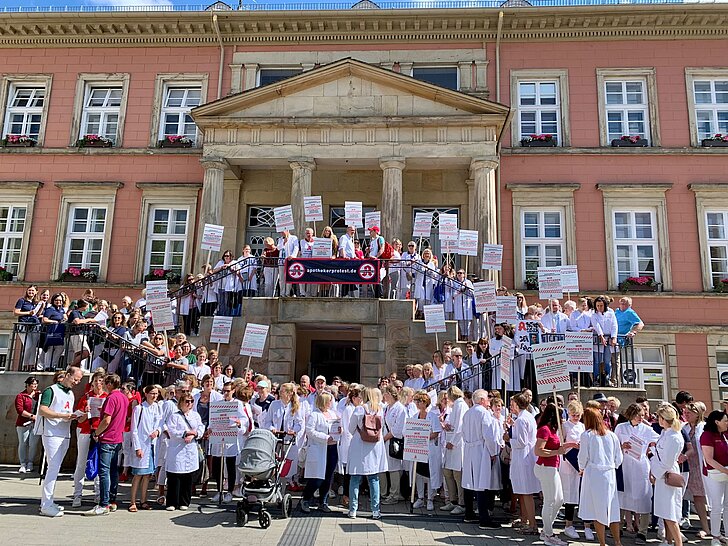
pixel 569 279
pixel 284 218
pixel 484 293
pixel 579 348
pixel 434 318
pixel 221 328
pixel 448 227
pixel 331 271
pixel 492 257
pixel 423 224
pixel 549 359
pixel 162 318
pixel 313 209
pixel 223 422
pixel 322 248
pixel 353 214
pixel 254 340
pixel 505 359
pixel 372 219
pixel 212 238
pixel 416 440
pixel 549 283
pixel 157 292
pixel 505 309
pixel 526 335
pixel 467 242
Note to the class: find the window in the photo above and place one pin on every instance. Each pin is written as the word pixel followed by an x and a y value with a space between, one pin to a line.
pixel 12 226
pixel 338 224
pixel 267 76
pixel 101 109
pixel 635 244
pixel 717 228
pixel 176 106
pixel 433 242
pixel 167 236
pixel 543 242
pixel 24 110
pixel 4 344
pixel 85 238
pixel 649 363
pixel 261 224
pixel 538 108
pixel 626 109
pixel 711 106
pixel 444 76
pixel 711 203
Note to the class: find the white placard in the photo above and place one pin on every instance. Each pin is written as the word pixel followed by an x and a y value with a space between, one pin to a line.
pixel 484 293
pixel 448 227
pixel 313 209
pixel 254 339
pixel 223 422
pixel 157 292
pixel 569 279
pixel 492 257
pixel 467 242
pixel 284 218
pixel 372 219
pixel 423 224
pixel 94 406
pixel 434 318
pixel 549 283
pixel 448 247
pixel 101 317
pixel 221 328
pixel 550 362
pixel 505 309
pixel 353 214
pixel 212 237
pixel 505 359
pixel 416 440
pixel 161 316
pixel 579 347
pixel 335 429
pixel 322 248
pixel 637 447
pixel 526 335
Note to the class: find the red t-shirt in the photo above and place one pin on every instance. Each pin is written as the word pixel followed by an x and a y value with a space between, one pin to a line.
pixel 136 398
pixel 552 443
pixel 116 405
pixel 89 424
pixel 719 443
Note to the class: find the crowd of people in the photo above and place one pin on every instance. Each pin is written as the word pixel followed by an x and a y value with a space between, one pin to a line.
pixel 622 469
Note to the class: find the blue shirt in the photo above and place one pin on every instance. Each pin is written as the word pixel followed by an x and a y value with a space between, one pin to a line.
pixel 54 313
pixel 626 320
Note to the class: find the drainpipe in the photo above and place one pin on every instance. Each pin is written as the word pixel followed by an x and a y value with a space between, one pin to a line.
pixel 498 147
pixel 222 55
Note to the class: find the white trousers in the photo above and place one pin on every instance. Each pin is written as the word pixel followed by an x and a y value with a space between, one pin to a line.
pixel 55 450
pixel 83 442
pixel 553 495
pixel 718 496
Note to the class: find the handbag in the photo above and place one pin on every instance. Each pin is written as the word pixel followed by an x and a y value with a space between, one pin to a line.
pixel 438 294
pixel 92 460
pixel 673 479
pixel 396 448
pixel 303 452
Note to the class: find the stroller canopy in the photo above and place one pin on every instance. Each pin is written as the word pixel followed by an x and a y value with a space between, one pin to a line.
pixel 259 454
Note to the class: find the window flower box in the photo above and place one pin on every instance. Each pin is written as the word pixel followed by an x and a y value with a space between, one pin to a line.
pixel 639 284
pixel 539 141
pixel 18 141
pixel 630 142
pixel 176 141
pixel 716 141
pixel 721 286
pixel 5 275
pixel 531 282
pixel 170 275
pixel 75 274
pixel 94 141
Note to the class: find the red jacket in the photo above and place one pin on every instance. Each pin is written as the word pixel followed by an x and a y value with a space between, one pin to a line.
pixel 24 402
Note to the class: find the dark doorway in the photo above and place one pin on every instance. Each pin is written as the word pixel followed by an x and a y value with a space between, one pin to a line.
pixel 330 358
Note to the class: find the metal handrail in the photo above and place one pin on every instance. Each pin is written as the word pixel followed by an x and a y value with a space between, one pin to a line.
pixel 467 374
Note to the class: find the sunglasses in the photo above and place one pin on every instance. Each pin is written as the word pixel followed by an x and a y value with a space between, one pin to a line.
pixel 188 401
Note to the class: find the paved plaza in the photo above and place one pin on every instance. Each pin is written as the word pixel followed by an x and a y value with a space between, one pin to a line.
pixel 21 524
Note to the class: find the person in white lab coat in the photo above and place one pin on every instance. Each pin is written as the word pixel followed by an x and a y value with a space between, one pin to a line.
pixel 604 325
pixel 433 480
pixel 668 499
pixel 463 304
pixel 425 276
pixel 394 418
pixel 353 400
pixel 523 460
pixel 554 320
pixel 287 416
pixel 453 460
pixel 366 459
pixel 569 471
pixel 185 429
pixel 146 426
pixel 481 442
pixel 323 431
pixel 599 456
pixel 287 245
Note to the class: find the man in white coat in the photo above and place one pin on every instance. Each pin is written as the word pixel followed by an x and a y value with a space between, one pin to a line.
pixel 287 246
pixel 480 447
pixel 453 468
pixel 554 321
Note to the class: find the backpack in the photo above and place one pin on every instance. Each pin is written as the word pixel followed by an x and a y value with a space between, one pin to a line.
pixel 371 428
pixel 388 251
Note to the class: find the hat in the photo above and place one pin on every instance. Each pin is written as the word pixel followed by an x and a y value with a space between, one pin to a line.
pixel 321 377
pixel 263 383
pixel 599 397
pixel 374 228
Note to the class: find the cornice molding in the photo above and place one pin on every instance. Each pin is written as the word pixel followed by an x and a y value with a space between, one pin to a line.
pixel 185 29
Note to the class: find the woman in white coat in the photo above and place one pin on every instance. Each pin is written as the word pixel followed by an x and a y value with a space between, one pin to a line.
pixel 323 431
pixel 394 419
pixel 463 303
pixel 599 456
pixel 668 499
pixel 424 279
pixel 569 472
pixel 523 460
pixel 353 400
pixel 604 324
pixel 185 429
pixel 637 495
pixel 285 415
pixel 434 458
pixel 366 459
pixel 146 426
pixel 453 460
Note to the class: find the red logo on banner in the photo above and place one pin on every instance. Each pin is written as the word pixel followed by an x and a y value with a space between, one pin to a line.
pixel 296 271
pixel 367 271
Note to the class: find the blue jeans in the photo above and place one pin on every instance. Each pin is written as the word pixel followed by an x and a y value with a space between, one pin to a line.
pixel 108 472
pixel 373 492
pixel 323 484
pixel 603 355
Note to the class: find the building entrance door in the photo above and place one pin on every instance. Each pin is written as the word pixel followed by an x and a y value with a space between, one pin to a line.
pixel 330 358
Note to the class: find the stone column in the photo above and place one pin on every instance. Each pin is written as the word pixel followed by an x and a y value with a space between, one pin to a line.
pixel 251 75
pixel 482 171
pixel 392 196
pixel 473 265
pixel 300 187
pixel 213 190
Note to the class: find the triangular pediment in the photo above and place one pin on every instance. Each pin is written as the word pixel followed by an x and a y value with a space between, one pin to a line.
pixel 348 88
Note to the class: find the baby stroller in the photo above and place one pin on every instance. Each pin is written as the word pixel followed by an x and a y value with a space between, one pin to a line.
pixel 260 464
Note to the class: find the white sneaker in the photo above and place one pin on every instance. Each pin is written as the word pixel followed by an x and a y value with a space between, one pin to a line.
pixel 215 497
pixel 29 467
pixel 183 507
pixel 457 511
pixel 430 505
pixel 58 507
pixel 589 534
pixel 571 532
pixel 97 511
pixel 51 512
pixel 553 540
pixel 419 503
pixel 22 469
pixel 228 497
pixel 76 502
pixel 449 506
pixel 170 509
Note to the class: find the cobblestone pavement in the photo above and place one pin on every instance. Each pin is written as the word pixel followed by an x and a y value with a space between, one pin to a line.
pixel 20 523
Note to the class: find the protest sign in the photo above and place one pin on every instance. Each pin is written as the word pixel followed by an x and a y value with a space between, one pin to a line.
pixel 161 315
pixel 505 359
pixel 423 224
pixel 637 447
pixel 448 227
pixel 254 339
pixel 505 309
pixel 353 214
pixel 526 335
pixel 416 440
pixel 549 359
pixel 212 237
pixel 372 219
pixel 467 242
pixel 579 348
pixel 434 318
pixel 549 283
pixel 157 292
pixel 223 422
pixel 284 218
pixel 484 293
pixel 448 247
pixel 492 257
pixel 569 279
pixel 322 248
pixel 313 209
pixel 221 327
